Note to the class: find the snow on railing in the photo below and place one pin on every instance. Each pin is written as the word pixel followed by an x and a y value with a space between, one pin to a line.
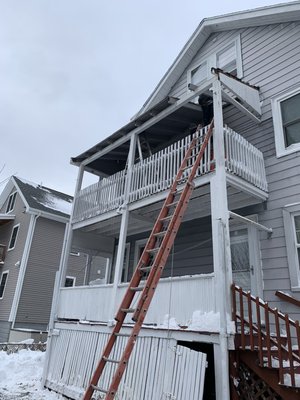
pixel 156 173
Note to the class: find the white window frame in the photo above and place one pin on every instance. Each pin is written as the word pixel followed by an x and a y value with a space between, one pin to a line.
pixel 125 265
pixel 138 244
pixel 4 273
pixel 73 279
pixel 281 150
pixel 11 202
pixel 289 212
pixel 211 60
pixel 11 248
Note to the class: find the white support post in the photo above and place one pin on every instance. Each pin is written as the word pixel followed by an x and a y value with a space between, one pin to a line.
pixel 221 246
pixel 123 227
pixel 60 275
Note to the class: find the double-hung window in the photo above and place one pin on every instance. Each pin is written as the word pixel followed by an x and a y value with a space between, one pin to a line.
pixel 291 218
pixel 286 118
pixel 11 202
pixel 228 58
pixel 3 282
pixel 13 237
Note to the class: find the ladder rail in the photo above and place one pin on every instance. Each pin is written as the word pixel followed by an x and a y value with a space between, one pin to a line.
pixel 168 235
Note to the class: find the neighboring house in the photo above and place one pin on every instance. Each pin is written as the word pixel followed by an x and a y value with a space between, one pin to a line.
pixel 242 224
pixel 33 221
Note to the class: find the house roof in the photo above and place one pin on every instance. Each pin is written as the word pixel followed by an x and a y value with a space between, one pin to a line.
pixel 43 199
pixel 38 199
pixel 279 13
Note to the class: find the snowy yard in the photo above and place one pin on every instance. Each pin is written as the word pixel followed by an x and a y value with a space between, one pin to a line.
pixel 20 376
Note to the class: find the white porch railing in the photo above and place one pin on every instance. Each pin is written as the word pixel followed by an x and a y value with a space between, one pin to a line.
pixel 177 297
pixel 156 173
pixel 244 160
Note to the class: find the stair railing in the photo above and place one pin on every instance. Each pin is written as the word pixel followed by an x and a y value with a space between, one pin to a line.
pixel 274 335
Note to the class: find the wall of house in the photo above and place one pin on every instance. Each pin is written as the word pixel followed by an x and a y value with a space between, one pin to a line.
pixel 271 60
pixel 191 254
pixel 12 260
pixel 43 262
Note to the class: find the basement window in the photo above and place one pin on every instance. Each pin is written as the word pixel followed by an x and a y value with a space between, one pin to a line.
pixel 291 219
pixel 286 120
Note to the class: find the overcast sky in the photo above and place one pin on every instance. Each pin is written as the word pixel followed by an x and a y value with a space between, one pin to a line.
pixel 74 71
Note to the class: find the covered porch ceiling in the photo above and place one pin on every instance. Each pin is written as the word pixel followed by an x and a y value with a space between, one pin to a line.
pixel 167 122
pixel 5 218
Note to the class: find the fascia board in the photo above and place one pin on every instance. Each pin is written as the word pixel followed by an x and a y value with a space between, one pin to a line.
pixel 47 215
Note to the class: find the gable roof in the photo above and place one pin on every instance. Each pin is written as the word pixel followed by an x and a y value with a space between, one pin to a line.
pixel 285 12
pixel 39 199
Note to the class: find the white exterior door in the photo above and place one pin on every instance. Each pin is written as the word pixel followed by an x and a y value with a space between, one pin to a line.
pixel 245 258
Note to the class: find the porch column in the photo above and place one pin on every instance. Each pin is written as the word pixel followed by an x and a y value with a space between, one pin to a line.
pixel 221 246
pixel 123 227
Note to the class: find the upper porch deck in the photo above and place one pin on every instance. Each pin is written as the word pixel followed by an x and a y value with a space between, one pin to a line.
pixel 156 173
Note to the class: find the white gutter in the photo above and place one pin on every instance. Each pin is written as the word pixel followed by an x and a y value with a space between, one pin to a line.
pixel 22 271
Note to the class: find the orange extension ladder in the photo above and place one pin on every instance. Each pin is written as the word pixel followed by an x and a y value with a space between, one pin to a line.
pixel 152 262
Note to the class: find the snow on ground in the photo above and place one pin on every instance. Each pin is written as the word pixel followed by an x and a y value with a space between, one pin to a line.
pixel 20 376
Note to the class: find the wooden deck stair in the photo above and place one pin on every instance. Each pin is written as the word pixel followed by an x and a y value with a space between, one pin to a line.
pixel 267 343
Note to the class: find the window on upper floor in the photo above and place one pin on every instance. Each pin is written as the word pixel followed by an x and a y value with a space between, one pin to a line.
pixel 291 218
pixel 2 253
pixel 11 202
pixel 3 282
pixel 228 58
pixel 13 237
pixel 286 119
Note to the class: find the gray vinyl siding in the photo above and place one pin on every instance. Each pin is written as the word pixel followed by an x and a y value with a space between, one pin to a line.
pixel 191 253
pixel 271 60
pixel 4 331
pixel 43 262
pixel 13 256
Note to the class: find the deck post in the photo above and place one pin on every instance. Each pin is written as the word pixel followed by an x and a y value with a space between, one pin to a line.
pixel 221 247
pixel 123 227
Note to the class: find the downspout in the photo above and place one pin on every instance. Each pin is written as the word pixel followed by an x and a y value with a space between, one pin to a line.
pixel 22 271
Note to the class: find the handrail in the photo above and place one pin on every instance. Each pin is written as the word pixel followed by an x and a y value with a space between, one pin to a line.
pixel 257 321
pixel 288 298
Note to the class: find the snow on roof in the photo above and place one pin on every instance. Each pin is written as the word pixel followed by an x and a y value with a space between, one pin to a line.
pixel 45 199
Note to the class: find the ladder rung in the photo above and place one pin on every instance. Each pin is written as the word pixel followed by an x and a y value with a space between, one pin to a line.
pixel 172 204
pixel 166 218
pixel 137 289
pixel 162 233
pixel 99 389
pixel 118 334
pixel 186 167
pixel 154 250
pixel 128 310
pixel 111 360
pixel 145 269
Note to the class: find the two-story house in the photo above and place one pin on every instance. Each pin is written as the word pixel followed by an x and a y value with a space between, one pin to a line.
pixel 33 221
pixel 241 225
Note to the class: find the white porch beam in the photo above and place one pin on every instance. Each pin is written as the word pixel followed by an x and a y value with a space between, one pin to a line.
pixel 221 250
